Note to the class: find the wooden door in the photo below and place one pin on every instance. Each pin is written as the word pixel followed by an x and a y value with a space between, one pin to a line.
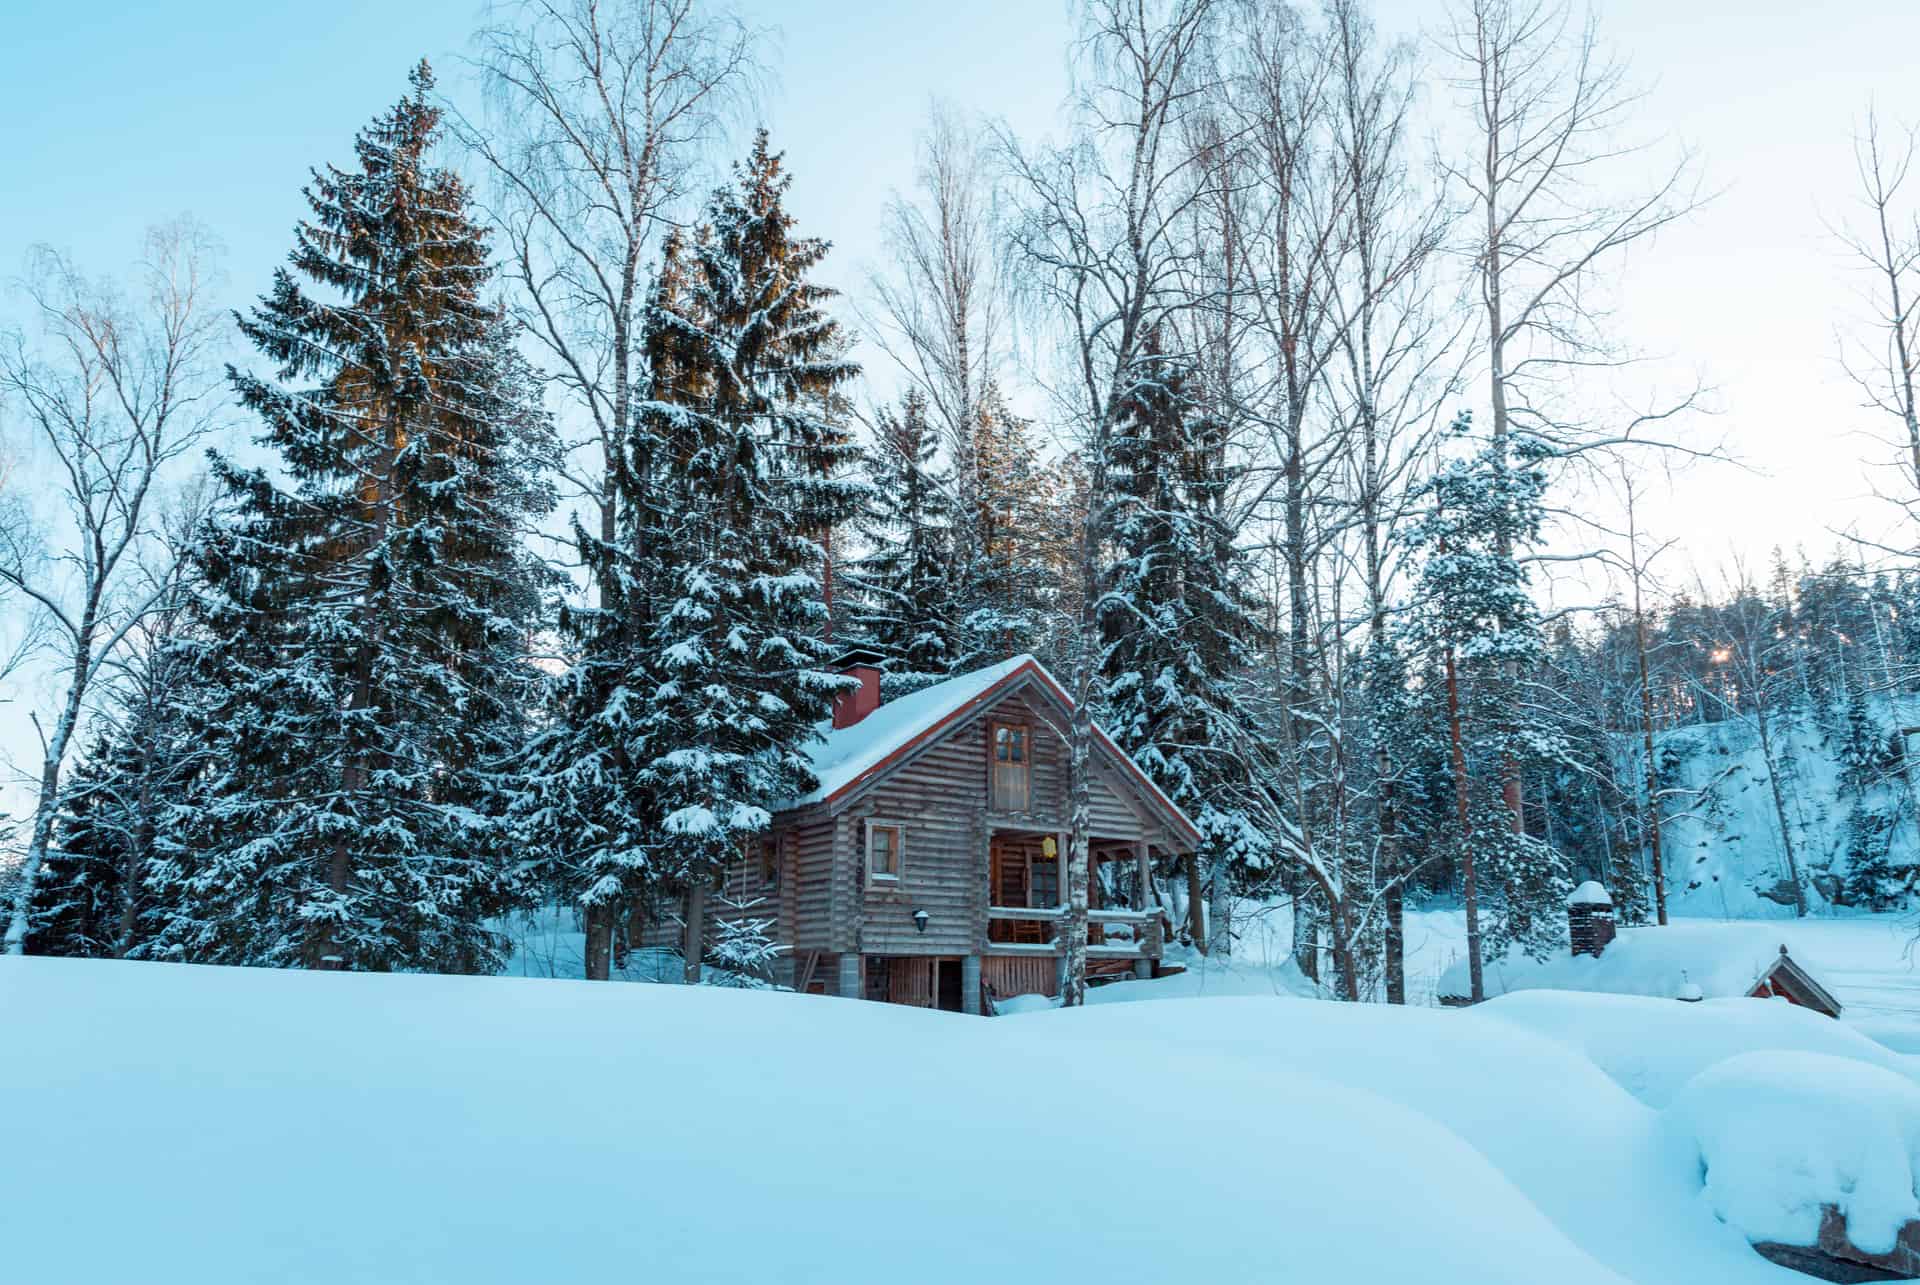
pixel 1010 874
pixel 947 995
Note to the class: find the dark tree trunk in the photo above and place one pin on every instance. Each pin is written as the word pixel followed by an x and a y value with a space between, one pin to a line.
pixel 1470 892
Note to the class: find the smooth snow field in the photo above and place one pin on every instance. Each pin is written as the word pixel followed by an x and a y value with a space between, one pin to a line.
pixel 170 1124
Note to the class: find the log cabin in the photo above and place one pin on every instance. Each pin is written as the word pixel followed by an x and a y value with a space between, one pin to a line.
pixel 926 868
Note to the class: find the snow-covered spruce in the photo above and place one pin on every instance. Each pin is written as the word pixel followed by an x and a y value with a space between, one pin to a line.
pixel 1176 627
pixel 364 608
pixel 700 673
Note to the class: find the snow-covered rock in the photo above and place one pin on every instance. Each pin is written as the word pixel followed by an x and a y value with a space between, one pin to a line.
pixel 1781 1136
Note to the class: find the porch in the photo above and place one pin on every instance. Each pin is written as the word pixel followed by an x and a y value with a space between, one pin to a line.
pixel 1026 913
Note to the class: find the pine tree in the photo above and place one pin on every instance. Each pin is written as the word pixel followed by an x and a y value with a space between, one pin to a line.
pixel 366 624
pixel 1177 625
pixel 1009 579
pixel 698 678
pixel 1474 621
pixel 755 432
pixel 904 585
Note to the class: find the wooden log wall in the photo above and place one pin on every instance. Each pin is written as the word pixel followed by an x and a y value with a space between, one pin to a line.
pixel 1011 975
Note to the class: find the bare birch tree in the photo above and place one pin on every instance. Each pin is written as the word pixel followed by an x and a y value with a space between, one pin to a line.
pixel 1885 244
pixel 1546 105
pixel 1401 352
pixel 938 310
pixel 111 391
pixel 599 114
pixel 1638 562
pixel 1098 236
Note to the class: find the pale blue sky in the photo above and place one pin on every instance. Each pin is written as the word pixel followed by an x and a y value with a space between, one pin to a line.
pixel 115 115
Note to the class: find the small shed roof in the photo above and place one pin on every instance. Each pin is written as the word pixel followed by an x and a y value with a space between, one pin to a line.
pixel 1718 960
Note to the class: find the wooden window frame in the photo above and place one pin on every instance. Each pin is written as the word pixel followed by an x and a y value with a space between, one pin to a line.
pixel 769 855
pixel 1025 729
pixel 874 878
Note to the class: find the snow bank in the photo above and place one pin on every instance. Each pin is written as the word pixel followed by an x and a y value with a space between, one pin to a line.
pixel 241 1125
pixel 230 1125
pixel 1722 959
pixel 1584 1153
pixel 1652 1048
pixel 1779 1135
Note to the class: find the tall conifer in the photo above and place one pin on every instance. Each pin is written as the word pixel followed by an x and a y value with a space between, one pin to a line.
pixel 905 582
pixel 367 617
pixel 1176 622
pixel 753 430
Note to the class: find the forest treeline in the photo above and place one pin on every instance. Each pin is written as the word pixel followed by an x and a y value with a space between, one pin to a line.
pixel 1259 418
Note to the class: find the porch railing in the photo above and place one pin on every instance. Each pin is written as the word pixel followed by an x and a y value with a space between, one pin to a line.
pixel 1111 934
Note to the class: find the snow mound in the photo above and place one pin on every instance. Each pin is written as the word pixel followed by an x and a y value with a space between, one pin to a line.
pixel 1721 959
pixel 1652 1048
pixel 1780 1135
pixel 237 1125
pixel 1582 1150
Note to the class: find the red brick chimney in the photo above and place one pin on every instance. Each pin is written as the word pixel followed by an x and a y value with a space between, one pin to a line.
pixel 849 707
pixel 1589 919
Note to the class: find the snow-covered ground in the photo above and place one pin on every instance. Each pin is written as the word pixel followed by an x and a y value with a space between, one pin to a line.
pixel 1870 962
pixel 174 1124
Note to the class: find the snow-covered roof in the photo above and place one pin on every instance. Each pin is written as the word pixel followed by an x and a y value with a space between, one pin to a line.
pixel 846 757
pixel 1590 893
pixel 1722 960
pixel 847 753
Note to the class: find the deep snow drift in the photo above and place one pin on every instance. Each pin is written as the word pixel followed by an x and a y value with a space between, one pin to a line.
pixel 174 1124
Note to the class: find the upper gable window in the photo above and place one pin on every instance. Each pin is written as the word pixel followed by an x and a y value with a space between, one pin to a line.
pixel 1011 748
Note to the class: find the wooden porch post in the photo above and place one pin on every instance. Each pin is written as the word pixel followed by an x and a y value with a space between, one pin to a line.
pixel 850 977
pixel 693 944
pixel 1061 898
pixel 1142 874
pixel 970 985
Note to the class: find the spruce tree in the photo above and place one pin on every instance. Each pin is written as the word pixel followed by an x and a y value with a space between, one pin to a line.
pixel 1008 579
pixel 1473 622
pixel 367 617
pixel 696 676
pixel 112 883
pixel 904 585
pixel 1176 623
pixel 759 461
pixel 80 898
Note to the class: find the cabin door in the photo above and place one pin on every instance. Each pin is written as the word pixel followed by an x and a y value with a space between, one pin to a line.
pixel 946 992
pixel 1023 876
